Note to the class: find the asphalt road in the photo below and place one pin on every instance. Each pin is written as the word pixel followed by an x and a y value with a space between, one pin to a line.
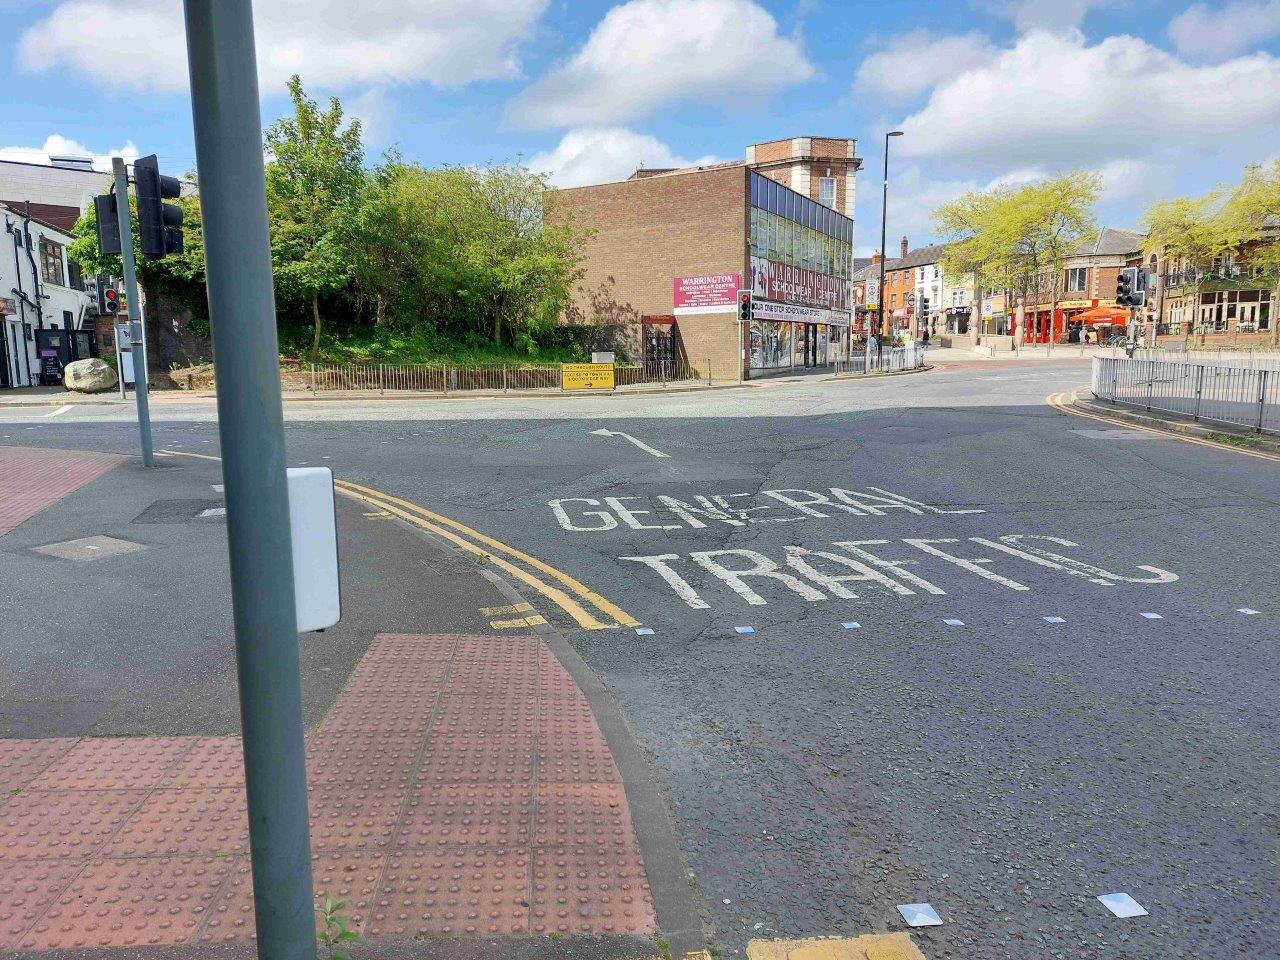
pixel 1005 768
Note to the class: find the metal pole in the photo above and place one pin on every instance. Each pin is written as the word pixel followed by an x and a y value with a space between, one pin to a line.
pixel 138 328
pixel 228 138
pixel 1262 400
pixel 884 254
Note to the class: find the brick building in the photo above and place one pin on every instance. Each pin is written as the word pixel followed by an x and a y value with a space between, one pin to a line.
pixel 669 249
pixel 1085 290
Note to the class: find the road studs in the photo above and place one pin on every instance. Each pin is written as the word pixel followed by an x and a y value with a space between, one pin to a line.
pixel 919 915
pixel 644 631
pixel 954 623
pixel 1054 619
pixel 744 629
pixel 1122 905
pixel 851 625
pixel 1247 611
pixel 1152 616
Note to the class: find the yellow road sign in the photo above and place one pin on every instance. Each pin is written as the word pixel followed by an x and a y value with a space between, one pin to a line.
pixel 586 376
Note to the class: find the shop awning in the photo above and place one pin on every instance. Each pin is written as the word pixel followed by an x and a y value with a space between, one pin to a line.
pixel 1103 315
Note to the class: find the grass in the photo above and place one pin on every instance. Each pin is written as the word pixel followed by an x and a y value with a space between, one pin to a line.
pixel 366 345
pixel 1235 440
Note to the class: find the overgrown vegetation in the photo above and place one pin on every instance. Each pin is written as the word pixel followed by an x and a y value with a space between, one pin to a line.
pixel 393 263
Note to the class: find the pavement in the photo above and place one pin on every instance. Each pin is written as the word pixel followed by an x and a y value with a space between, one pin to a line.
pixel 918 640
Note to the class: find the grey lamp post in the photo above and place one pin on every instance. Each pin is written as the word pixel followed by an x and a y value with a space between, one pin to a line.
pixel 884 214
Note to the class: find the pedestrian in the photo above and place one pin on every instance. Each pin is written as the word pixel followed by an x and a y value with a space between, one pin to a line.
pixel 924 340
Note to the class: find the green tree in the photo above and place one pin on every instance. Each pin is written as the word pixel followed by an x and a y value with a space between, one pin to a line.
pixel 1251 226
pixel 1191 231
pixel 315 177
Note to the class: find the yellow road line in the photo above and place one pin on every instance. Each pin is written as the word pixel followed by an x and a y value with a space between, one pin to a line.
pixel 506 608
pixel 607 607
pixel 1064 403
pixel 519 622
pixel 469 540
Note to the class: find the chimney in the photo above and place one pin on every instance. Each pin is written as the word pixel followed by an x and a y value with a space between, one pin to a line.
pixel 904 247
pixel 877 257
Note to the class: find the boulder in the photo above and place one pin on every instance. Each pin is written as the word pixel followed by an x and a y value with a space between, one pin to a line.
pixel 88 376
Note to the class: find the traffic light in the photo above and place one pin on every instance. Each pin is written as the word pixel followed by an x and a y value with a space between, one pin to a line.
pixel 1130 290
pixel 111 300
pixel 159 223
pixel 924 306
pixel 104 207
pixel 745 306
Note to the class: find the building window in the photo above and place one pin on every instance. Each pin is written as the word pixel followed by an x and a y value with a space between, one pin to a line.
pixel 1076 278
pixel 51 262
pixel 827 191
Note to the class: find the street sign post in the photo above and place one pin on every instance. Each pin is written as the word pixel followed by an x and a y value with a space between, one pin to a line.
pixel 233 200
pixel 138 328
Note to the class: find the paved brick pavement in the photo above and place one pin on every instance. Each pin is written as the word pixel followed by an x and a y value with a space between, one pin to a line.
pixel 33 479
pixel 459 786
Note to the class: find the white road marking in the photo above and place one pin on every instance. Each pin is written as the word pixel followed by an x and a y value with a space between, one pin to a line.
pixel 851 624
pixel 1122 905
pixel 761 566
pixel 214 512
pixel 893 566
pixel 644 631
pixel 58 412
pixel 1152 616
pixel 744 629
pixel 1247 611
pixel 626 436
pixel 677 583
pixel 972 564
pixel 1054 620
pixel 954 623
pixel 931 509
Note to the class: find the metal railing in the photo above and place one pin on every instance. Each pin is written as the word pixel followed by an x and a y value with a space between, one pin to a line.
pixel 884 360
pixel 425 378
pixel 1218 392
pixel 1181 352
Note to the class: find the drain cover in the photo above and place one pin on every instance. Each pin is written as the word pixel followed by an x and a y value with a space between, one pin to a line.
pixel 90 548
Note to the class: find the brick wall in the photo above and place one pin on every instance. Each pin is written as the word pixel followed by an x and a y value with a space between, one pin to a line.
pixel 648 232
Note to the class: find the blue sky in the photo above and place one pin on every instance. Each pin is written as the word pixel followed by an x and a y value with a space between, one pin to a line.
pixel 1158 96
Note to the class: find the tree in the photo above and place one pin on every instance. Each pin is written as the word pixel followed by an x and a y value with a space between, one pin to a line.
pixel 1251 225
pixel 1020 236
pixel 315 177
pixel 1191 231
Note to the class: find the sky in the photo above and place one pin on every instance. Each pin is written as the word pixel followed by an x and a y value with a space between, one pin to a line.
pixel 1159 97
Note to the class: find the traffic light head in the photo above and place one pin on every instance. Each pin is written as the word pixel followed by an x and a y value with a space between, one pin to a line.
pixel 111 300
pixel 159 223
pixel 1126 281
pixel 104 208
pixel 744 306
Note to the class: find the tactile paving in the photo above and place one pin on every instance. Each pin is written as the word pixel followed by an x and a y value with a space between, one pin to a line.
pixel 460 786
pixel 114 763
pixel 474 892
pixel 128 903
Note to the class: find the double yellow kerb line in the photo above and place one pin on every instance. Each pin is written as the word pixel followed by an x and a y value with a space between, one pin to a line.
pixel 585 607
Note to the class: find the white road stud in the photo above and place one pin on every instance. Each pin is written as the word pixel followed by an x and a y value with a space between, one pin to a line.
pixel 1247 611
pixel 1054 620
pixel 851 624
pixel 1122 905
pixel 644 631
pixel 1152 616
pixel 954 623
pixel 744 629
pixel 919 915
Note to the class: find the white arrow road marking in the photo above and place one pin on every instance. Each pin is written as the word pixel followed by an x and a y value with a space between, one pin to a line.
pixel 626 436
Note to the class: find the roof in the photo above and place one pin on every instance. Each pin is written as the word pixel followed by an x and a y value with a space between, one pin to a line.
pixel 16 209
pixel 1111 242
pixel 917 258
pixel 51 214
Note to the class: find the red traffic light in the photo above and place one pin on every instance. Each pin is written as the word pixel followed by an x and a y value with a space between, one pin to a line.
pixel 112 298
pixel 744 298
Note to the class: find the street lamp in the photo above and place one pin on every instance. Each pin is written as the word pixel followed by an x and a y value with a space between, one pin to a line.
pixel 884 213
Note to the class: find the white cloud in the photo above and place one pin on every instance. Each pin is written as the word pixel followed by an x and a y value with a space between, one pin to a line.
pixel 918 62
pixel 1056 99
pixel 56 145
pixel 1222 31
pixel 1052 15
pixel 605 154
pixel 376 112
pixel 329 42
pixel 648 53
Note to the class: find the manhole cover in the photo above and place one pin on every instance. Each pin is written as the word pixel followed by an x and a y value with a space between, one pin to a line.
pixel 90 548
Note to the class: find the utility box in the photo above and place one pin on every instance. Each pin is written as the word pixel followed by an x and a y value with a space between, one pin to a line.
pixel 317 590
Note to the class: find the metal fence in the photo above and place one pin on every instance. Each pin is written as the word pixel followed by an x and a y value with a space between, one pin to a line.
pixel 884 360
pixel 1247 359
pixel 425 378
pixel 1216 391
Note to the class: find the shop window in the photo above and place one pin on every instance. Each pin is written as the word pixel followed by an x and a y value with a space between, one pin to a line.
pixel 827 191
pixel 51 268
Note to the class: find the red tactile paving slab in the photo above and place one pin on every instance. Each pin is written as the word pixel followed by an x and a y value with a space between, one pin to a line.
pixel 585 890
pixel 114 763
pixel 184 823
pixel 32 480
pixel 66 824
pixel 473 892
pixel 126 903
pixel 21 761
pixel 460 786
pixel 27 891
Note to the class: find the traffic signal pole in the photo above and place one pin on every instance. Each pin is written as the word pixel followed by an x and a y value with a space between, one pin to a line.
pixel 228 137
pixel 137 328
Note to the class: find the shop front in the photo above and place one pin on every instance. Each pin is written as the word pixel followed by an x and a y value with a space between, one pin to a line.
pixel 788 337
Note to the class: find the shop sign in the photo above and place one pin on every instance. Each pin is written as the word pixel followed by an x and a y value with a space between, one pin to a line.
pixel 787 284
pixel 1074 304
pixel 586 376
pixel 8 306
pixel 770 310
pixel 717 293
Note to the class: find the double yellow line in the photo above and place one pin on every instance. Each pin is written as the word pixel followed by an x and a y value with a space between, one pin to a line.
pixel 586 607
pixel 1065 403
